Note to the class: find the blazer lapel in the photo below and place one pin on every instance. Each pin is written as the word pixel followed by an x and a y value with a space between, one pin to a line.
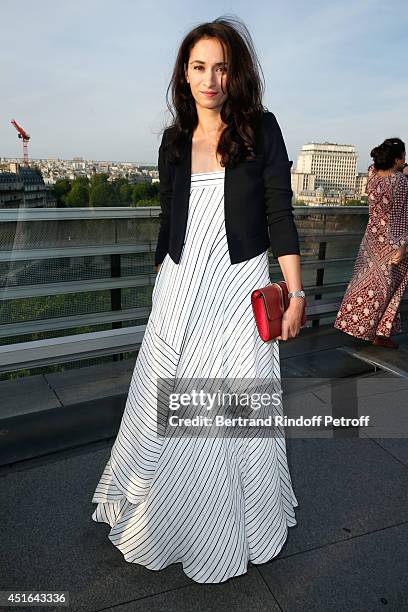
pixel 182 184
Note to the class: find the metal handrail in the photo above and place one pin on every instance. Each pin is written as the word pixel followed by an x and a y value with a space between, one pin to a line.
pixel 124 212
pixel 124 339
pixel 39 353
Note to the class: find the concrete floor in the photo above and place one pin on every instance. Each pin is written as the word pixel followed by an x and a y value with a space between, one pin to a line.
pixel 348 552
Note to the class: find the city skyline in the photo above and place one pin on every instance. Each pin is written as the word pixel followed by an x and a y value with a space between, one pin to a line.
pixel 140 163
pixel 92 83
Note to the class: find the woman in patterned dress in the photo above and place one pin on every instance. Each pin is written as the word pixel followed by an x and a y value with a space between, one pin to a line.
pixel 369 307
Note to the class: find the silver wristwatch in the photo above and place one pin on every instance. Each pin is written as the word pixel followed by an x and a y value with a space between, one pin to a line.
pixel 298 293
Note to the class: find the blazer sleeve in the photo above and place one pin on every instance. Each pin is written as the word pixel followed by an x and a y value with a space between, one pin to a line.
pixel 165 194
pixel 283 233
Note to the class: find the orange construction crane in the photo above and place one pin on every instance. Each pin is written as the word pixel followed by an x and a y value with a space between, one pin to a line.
pixel 26 137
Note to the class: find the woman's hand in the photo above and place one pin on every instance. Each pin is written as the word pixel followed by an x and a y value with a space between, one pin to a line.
pixel 398 255
pixel 292 318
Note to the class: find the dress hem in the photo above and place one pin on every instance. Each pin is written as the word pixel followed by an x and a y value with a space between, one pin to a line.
pixel 370 339
pixel 290 522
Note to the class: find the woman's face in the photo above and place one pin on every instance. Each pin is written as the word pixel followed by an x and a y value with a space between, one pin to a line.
pixel 206 72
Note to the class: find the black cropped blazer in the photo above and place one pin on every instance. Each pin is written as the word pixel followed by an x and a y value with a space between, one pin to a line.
pixel 257 199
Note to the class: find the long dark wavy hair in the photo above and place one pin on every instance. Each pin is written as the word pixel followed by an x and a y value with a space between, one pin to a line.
pixel 243 107
pixel 387 152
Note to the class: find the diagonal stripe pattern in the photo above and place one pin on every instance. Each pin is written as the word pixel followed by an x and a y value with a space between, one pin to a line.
pixel 212 504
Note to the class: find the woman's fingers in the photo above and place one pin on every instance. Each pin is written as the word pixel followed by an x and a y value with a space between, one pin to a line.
pixel 396 260
pixel 397 256
pixel 290 328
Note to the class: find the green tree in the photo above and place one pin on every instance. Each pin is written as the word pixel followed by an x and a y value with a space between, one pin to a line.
pixel 79 194
pixel 122 192
pixel 125 194
pixel 101 191
pixel 145 191
pixel 101 196
pixel 97 179
pixel 355 202
pixel 147 202
pixel 60 189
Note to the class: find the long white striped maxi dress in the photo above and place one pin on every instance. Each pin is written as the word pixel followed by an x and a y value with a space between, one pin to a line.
pixel 212 504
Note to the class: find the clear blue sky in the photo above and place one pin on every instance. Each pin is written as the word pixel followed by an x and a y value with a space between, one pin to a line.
pixel 89 77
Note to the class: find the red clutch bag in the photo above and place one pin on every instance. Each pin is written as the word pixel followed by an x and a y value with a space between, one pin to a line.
pixel 269 304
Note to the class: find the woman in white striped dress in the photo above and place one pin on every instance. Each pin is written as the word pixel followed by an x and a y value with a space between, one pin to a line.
pixel 212 503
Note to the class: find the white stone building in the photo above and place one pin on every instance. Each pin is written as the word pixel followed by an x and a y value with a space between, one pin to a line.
pixel 325 166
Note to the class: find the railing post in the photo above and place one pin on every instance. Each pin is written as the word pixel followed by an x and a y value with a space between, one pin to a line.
pixel 320 276
pixel 116 294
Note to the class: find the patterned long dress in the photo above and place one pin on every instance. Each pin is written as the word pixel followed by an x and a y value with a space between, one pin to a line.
pixel 372 298
pixel 210 503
